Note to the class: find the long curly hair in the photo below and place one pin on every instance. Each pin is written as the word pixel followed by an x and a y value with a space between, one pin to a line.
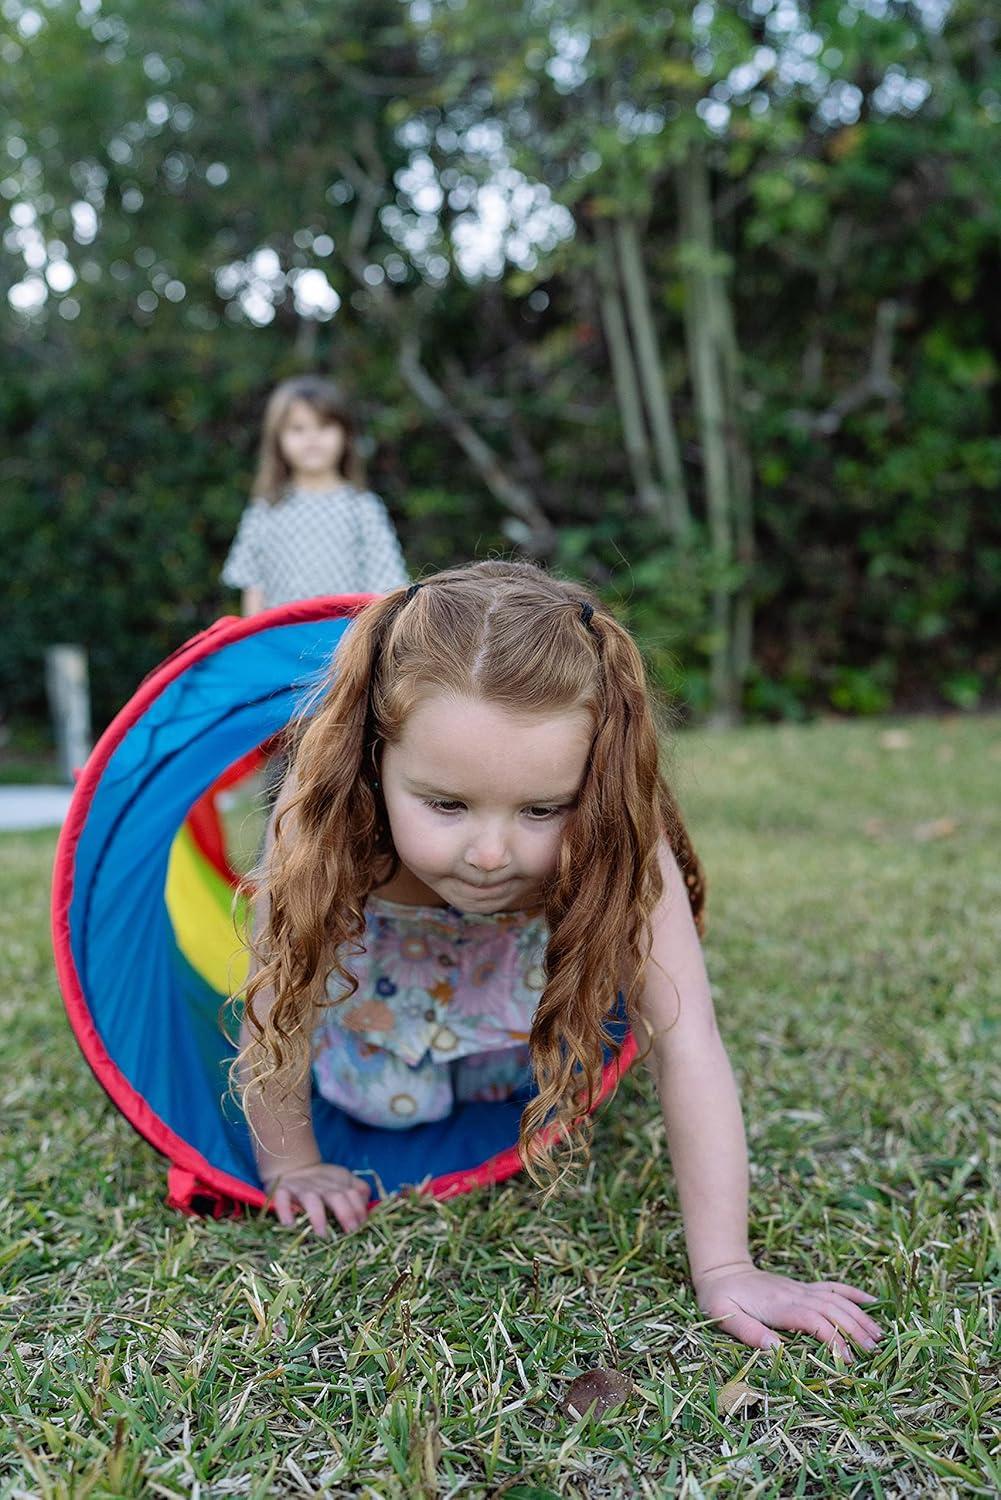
pixel 514 636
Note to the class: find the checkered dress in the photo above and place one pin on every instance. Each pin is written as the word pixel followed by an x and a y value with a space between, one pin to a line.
pixel 316 542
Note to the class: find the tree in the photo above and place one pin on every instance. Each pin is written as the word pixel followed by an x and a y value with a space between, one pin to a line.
pixel 595 275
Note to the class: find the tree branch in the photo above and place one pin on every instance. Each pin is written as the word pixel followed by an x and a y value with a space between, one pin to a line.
pixel 531 527
pixel 539 535
pixel 876 384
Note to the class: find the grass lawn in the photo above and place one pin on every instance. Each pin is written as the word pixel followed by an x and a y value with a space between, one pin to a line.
pixel 855 903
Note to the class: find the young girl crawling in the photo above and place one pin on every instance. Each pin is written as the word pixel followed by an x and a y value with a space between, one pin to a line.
pixel 475 854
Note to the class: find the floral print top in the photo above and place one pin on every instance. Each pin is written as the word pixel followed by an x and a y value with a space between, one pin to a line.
pixel 436 981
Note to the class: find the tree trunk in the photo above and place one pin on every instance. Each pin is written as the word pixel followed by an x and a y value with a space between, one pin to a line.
pixel 703 324
pixel 838 244
pixel 305 341
pixel 742 480
pixel 651 372
pixel 624 378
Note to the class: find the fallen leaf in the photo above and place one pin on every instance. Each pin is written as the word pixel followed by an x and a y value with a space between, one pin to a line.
pixel 895 739
pixel 737 1396
pixel 938 828
pixel 873 828
pixel 596 1392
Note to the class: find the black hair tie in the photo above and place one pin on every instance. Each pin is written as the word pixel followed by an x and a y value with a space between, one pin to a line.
pixel 411 591
pixel 587 614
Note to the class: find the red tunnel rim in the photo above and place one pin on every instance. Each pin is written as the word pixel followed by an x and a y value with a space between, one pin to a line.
pixel 179 1152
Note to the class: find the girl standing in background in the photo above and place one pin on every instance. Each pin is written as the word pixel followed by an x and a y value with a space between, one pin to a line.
pixel 311 526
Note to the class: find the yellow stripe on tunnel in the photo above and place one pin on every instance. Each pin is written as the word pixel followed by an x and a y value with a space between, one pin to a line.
pixel 200 906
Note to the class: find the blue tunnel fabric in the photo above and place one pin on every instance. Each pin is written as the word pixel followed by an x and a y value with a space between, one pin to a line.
pixel 158 1019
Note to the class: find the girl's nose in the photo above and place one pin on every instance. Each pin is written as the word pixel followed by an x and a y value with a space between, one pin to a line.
pixel 488 853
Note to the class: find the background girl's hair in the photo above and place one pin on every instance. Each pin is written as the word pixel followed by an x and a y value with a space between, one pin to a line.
pixel 273 473
pixel 502 632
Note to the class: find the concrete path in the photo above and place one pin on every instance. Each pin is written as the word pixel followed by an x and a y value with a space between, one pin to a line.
pixel 24 807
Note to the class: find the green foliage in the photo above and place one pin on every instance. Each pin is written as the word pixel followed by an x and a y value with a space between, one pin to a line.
pixel 782 697
pixel 862 690
pixel 202 136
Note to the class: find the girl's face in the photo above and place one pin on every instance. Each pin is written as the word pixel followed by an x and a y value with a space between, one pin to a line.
pixel 311 446
pixel 478 798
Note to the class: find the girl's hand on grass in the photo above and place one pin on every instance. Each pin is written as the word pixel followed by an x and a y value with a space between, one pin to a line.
pixel 750 1304
pixel 317 1190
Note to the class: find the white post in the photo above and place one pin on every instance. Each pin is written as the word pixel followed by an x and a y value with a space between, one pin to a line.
pixel 69 704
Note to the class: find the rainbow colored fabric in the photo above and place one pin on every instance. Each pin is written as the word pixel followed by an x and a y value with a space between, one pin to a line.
pixel 146 943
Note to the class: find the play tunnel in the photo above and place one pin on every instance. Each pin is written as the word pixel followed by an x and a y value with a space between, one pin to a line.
pixel 146 940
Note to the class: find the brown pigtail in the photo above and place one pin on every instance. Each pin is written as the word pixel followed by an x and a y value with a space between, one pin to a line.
pixel 599 909
pixel 330 837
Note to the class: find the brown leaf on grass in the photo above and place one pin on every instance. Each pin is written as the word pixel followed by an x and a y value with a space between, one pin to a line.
pixel 938 828
pixel 874 828
pixel 737 1396
pixel 597 1391
pixel 895 739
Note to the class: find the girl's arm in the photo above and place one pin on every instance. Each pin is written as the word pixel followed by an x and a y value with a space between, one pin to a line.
pixel 281 1126
pixel 280 1122
pixel 705 1135
pixel 252 600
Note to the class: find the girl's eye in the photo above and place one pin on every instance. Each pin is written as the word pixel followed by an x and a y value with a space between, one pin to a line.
pixel 536 814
